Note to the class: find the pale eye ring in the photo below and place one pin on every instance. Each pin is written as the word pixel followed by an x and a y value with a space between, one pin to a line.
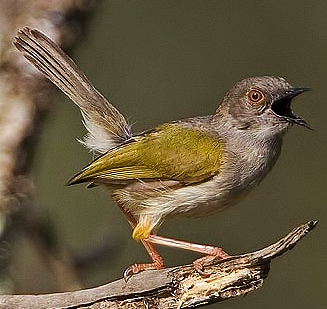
pixel 255 96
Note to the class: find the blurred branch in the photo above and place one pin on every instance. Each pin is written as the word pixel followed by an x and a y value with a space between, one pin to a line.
pixel 179 287
pixel 25 98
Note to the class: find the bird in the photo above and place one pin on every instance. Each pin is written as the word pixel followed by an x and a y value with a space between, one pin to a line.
pixel 191 167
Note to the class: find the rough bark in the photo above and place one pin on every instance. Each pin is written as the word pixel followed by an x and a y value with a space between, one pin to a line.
pixel 178 287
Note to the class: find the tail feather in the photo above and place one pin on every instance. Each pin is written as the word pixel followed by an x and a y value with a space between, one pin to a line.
pixel 106 126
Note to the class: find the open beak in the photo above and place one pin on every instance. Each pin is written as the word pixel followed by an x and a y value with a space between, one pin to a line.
pixel 282 107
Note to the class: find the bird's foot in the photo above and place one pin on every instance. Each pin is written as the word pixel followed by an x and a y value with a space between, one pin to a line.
pixel 137 268
pixel 217 254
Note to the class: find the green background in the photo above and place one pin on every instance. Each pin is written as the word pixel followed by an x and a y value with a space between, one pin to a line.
pixel 163 60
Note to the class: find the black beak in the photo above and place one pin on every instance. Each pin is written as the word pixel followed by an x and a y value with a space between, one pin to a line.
pixel 282 107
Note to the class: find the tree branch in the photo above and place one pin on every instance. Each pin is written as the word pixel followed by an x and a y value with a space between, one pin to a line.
pixel 178 287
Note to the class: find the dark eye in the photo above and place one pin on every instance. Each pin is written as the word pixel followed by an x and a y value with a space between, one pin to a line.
pixel 255 96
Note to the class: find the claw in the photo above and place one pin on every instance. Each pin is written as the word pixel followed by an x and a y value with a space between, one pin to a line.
pixel 199 267
pixel 129 272
pixel 207 260
pixel 137 268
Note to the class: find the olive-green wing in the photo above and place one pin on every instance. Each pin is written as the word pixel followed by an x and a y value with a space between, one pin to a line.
pixel 169 152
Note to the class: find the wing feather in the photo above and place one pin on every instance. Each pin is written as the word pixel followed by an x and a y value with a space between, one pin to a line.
pixel 169 152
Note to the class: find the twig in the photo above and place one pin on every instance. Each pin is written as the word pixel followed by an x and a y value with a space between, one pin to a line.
pixel 178 287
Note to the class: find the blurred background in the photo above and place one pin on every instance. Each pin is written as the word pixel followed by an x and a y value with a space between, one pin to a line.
pixel 158 61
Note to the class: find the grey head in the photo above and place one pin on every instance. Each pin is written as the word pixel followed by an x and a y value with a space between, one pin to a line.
pixel 260 103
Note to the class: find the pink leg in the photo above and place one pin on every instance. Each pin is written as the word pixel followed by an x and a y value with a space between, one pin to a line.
pixel 212 253
pixel 157 260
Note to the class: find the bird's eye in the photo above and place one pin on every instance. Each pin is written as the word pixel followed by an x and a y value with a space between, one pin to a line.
pixel 255 96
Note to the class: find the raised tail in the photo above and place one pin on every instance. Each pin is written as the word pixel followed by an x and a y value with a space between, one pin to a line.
pixel 106 126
